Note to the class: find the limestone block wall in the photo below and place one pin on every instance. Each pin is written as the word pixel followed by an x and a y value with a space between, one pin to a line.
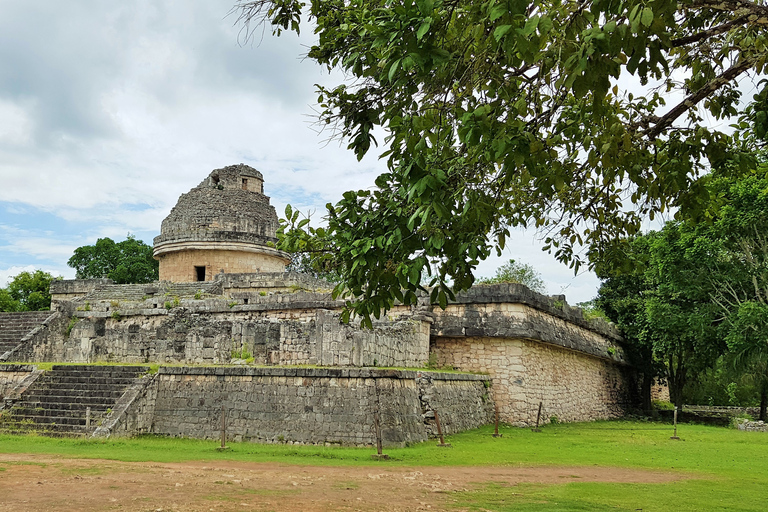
pixel 306 405
pixel 573 386
pixel 180 266
pixel 499 319
pixel 218 335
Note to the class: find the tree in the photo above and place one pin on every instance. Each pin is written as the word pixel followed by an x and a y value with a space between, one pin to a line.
pixel 129 261
pixel 503 113
pixel 699 294
pixel 663 307
pixel 28 291
pixel 513 272
pixel 740 277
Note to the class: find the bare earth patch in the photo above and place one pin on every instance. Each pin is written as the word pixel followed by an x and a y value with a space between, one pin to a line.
pixel 33 482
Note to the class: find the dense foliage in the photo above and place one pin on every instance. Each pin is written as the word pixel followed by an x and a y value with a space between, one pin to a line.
pixel 696 297
pixel 129 261
pixel 28 291
pixel 514 272
pixel 501 113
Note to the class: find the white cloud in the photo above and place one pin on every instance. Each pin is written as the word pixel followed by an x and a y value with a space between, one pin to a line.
pixel 7 274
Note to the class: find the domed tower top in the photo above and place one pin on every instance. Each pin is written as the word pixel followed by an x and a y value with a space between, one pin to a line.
pixel 225 224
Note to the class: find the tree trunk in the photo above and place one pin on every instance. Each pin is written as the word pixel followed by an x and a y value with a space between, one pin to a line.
pixel 645 391
pixel 676 373
pixel 763 403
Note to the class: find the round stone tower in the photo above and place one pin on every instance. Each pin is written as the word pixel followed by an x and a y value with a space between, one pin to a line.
pixel 223 225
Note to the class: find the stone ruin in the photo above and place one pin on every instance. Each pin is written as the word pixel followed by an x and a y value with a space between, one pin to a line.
pixel 231 333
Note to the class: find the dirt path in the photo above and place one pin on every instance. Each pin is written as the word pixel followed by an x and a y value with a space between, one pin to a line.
pixel 34 483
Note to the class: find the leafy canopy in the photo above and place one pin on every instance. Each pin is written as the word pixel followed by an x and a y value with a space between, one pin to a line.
pixel 28 291
pixel 129 261
pixel 514 272
pixel 503 113
pixel 699 292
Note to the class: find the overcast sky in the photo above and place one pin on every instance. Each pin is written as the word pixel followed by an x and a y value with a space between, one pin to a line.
pixel 110 110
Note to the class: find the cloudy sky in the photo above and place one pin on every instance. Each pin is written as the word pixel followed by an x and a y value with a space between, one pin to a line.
pixel 110 110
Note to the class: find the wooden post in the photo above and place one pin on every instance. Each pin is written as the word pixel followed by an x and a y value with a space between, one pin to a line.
pixel 496 428
pixel 538 419
pixel 223 430
pixel 440 431
pixel 377 433
pixel 674 436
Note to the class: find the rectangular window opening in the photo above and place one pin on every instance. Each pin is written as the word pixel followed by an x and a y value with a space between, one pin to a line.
pixel 245 301
pixel 200 273
pixel 245 184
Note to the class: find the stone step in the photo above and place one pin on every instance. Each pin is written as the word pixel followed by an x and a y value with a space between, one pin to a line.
pixel 73 397
pixel 72 406
pixel 54 420
pixel 30 412
pixel 94 369
pixel 58 401
pixel 68 381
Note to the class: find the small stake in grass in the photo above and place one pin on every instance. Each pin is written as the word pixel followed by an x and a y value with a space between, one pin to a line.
pixel 538 419
pixel 223 430
pixel 377 430
pixel 440 432
pixel 675 423
pixel 496 429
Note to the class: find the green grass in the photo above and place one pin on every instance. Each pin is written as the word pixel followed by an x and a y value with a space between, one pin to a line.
pixel 722 469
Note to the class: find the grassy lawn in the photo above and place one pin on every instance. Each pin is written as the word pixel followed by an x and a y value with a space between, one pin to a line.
pixel 723 469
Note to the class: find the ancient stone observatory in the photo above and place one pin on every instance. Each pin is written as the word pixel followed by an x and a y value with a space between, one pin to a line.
pixel 225 224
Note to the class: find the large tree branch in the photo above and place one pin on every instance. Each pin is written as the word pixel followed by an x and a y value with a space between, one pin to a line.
pixel 756 12
pixel 692 100
pixel 706 34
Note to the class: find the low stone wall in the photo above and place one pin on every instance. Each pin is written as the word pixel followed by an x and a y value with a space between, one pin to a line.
pixel 313 405
pixel 752 426
pixel 70 289
pixel 572 386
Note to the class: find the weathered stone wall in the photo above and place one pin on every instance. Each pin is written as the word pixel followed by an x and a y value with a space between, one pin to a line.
pixel 752 426
pixel 43 343
pixel 305 405
pixel 573 386
pixel 521 321
pixel 245 285
pixel 212 336
pixel 133 413
pixel 180 266
pixel 70 289
pixel 11 376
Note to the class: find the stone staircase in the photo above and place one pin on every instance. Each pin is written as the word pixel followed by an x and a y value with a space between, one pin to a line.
pixel 57 402
pixel 14 326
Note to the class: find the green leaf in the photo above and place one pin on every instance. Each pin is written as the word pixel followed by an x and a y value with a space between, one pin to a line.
pixel 500 31
pixel 498 11
pixel 647 17
pixel 393 69
pixel 424 28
